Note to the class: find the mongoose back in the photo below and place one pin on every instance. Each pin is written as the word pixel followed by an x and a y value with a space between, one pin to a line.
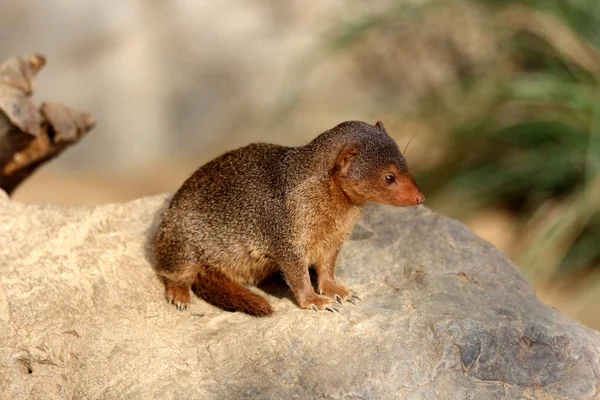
pixel 265 208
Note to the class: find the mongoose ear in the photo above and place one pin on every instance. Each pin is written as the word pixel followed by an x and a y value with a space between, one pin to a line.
pixel 379 125
pixel 344 159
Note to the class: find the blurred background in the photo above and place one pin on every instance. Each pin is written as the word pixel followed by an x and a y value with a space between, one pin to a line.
pixel 498 102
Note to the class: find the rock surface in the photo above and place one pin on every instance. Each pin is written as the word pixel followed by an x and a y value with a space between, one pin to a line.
pixel 445 316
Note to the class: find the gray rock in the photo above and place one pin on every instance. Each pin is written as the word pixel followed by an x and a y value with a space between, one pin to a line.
pixel 445 316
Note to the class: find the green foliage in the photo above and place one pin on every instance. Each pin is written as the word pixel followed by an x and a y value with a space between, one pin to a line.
pixel 581 16
pixel 547 153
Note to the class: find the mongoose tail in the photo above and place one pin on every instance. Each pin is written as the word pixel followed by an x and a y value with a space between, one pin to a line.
pixel 217 289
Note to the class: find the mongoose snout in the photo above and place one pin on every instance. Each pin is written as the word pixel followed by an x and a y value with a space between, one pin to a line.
pixel 265 208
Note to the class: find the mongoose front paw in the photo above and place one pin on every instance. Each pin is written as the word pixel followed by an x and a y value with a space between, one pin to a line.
pixel 338 292
pixel 178 295
pixel 316 302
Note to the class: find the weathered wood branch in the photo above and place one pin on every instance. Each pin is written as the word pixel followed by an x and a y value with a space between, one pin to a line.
pixel 29 136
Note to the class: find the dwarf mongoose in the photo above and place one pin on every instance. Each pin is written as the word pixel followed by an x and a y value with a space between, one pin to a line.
pixel 265 208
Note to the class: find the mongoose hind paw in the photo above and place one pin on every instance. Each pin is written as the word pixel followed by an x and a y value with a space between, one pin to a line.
pixel 179 296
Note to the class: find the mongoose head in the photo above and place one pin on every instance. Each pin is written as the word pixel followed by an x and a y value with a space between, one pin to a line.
pixel 370 167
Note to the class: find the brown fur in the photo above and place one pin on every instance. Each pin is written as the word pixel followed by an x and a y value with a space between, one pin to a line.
pixel 266 208
pixel 217 289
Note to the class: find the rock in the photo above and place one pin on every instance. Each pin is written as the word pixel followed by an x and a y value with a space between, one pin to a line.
pixel 445 316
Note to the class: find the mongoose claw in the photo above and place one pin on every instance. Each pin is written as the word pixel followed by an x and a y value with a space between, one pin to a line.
pixel 353 297
pixel 181 306
pixel 314 307
pixel 171 299
pixel 333 309
pixel 337 298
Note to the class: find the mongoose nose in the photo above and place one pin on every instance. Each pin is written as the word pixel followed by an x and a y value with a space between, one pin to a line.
pixel 420 199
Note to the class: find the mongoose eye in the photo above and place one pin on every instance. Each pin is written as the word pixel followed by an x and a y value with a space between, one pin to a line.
pixel 389 178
